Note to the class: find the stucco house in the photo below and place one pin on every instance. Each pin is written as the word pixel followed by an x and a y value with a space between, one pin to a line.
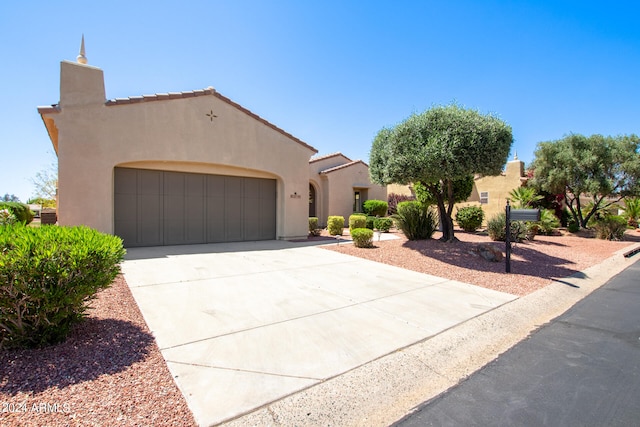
pixel 181 168
pixel 340 186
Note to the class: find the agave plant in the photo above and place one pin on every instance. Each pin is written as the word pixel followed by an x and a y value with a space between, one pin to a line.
pixel 524 197
pixel 632 211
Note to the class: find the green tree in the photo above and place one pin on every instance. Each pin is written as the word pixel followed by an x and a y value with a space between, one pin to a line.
pixel 438 147
pixel 600 169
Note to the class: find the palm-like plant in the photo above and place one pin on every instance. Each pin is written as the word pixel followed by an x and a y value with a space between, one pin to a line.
pixel 524 197
pixel 632 211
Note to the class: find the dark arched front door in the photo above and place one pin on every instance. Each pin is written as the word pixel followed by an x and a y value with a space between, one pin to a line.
pixel 312 201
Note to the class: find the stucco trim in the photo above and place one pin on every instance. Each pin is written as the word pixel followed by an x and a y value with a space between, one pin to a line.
pixel 328 156
pixel 346 165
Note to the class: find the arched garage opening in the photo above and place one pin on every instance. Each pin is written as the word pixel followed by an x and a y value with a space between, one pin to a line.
pixel 156 207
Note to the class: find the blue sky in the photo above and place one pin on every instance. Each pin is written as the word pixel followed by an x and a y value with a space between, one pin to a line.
pixel 332 73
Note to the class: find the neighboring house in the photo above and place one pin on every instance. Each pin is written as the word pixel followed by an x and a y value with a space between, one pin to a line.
pixel 188 167
pixel 489 192
pixel 179 168
pixel 340 186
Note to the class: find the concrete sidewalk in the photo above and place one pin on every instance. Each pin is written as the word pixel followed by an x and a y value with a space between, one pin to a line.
pixel 246 326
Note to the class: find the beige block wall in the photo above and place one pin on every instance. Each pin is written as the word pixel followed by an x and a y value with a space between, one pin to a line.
pixel 93 138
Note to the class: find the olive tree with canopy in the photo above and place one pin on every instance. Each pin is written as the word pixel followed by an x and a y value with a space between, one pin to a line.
pixel 443 145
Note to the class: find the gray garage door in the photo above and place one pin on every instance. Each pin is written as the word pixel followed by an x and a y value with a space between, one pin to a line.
pixel 154 208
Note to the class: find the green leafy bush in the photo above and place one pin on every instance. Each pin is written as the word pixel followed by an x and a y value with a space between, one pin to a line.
pixel 357 221
pixel 313 226
pixel 335 225
pixel 496 227
pixel 548 222
pixel 47 277
pixel 362 237
pixel 383 224
pixel 470 218
pixel 375 207
pixel 371 220
pixel 20 210
pixel 415 220
pixel 611 227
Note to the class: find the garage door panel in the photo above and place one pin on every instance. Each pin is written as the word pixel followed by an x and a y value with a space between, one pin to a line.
pixel 154 208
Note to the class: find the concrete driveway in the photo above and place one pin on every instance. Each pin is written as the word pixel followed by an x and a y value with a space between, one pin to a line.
pixel 244 324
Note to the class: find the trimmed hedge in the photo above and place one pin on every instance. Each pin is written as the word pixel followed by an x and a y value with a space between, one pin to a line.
pixel 362 237
pixel 19 210
pixel 48 275
pixel 383 224
pixel 375 207
pixel 313 226
pixel 357 221
pixel 335 225
pixel 470 218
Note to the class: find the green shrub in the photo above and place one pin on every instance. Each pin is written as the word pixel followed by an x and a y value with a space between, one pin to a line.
pixel 313 226
pixel 357 221
pixel 470 218
pixel 47 277
pixel 362 237
pixel 335 225
pixel 415 220
pixel 496 227
pixel 383 224
pixel 548 222
pixel 20 210
pixel 375 207
pixel 611 227
pixel 371 220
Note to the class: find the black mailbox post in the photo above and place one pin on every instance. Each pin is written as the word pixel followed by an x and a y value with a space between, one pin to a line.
pixel 515 215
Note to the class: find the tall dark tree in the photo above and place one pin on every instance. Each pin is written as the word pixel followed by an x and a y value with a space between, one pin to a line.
pixel 600 169
pixel 437 148
pixel 9 198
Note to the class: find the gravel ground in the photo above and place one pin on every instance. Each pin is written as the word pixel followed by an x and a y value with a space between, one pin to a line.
pixel 533 263
pixel 110 371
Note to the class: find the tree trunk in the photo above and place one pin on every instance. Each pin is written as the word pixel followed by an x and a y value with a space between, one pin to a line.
pixel 445 217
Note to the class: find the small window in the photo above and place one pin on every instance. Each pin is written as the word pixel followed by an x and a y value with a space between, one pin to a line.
pixel 484 197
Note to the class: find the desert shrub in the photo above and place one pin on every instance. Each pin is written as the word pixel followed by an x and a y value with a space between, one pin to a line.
pixel 371 222
pixel 357 221
pixel 47 277
pixel 335 224
pixel 313 226
pixel 572 226
pixel 611 227
pixel 548 222
pixel 496 227
pixel 375 207
pixel 393 199
pixel 383 224
pixel 415 220
pixel 20 210
pixel 6 217
pixel 470 218
pixel 362 237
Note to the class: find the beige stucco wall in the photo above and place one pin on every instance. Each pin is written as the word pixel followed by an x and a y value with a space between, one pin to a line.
pixel 340 184
pixel 498 188
pixel 172 134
